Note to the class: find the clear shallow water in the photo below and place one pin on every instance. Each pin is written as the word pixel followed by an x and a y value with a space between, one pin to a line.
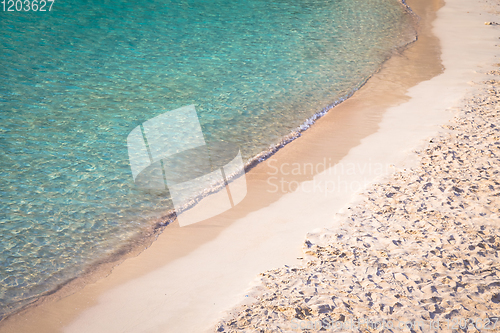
pixel 75 81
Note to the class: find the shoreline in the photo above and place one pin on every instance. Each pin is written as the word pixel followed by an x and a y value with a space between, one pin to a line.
pixel 103 266
pixel 126 277
pixel 144 236
pixel 133 247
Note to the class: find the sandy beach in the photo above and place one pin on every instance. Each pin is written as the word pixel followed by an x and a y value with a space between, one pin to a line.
pixel 391 234
pixel 419 252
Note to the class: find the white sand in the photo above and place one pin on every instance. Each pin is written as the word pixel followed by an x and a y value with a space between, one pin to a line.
pixel 419 251
pixel 190 293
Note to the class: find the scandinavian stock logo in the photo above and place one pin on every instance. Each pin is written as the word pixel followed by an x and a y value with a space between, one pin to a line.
pixel 169 152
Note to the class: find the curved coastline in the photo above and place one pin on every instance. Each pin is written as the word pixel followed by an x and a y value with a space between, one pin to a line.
pixel 138 244
pixel 185 300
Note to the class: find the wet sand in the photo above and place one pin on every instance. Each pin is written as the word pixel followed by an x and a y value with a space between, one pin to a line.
pixel 186 279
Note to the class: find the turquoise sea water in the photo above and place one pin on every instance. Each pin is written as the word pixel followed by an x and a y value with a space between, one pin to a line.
pixel 76 80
